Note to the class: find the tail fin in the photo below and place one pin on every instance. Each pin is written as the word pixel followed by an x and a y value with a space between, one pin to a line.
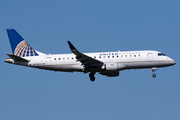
pixel 19 46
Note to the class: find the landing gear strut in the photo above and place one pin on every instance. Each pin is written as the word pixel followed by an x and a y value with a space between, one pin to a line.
pixel 153 70
pixel 91 75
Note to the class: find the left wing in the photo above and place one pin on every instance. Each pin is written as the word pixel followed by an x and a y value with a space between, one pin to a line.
pixel 84 59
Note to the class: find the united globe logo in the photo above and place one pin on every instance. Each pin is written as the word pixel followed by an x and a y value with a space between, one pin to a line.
pixel 23 49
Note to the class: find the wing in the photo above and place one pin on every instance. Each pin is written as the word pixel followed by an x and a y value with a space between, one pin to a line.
pixel 87 61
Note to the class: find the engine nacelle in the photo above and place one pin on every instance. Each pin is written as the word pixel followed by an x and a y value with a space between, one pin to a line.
pixel 110 73
pixel 113 74
pixel 111 66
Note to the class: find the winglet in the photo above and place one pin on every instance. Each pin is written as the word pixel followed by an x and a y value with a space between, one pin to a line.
pixel 71 45
pixel 73 49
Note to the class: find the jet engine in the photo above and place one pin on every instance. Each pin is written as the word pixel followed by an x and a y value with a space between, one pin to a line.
pixel 113 66
pixel 110 73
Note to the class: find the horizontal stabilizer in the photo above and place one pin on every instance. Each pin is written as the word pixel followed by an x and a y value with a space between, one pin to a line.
pixel 16 58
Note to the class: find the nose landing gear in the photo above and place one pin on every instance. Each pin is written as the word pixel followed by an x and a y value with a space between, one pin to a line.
pixel 154 75
pixel 153 70
pixel 91 75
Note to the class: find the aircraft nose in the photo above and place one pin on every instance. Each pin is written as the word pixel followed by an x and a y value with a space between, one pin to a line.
pixel 173 62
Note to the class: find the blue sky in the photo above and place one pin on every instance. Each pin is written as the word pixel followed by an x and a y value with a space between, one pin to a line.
pixel 92 26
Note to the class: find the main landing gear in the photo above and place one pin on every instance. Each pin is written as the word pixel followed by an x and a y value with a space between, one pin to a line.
pixel 91 75
pixel 153 70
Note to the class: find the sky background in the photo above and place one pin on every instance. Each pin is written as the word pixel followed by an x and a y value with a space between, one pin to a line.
pixel 92 26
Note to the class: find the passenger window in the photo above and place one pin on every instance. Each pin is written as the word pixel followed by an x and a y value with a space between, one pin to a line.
pixel 94 56
pixel 59 58
pixel 134 55
pixel 112 56
pixel 54 58
pixel 108 56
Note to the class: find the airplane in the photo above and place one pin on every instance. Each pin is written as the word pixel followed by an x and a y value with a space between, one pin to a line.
pixel 104 63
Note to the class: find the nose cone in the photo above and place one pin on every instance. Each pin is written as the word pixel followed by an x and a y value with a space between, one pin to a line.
pixel 172 62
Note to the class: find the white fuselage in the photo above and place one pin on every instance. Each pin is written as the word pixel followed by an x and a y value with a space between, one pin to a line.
pixel 105 63
pixel 114 61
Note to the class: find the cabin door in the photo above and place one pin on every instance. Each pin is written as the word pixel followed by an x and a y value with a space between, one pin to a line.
pixel 48 60
pixel 150 56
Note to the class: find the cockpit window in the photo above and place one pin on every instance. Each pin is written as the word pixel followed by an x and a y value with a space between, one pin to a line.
pixel 161 54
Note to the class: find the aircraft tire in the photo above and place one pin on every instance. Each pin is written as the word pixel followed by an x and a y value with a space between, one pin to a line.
pixel 92 79
pixel 154 75
pixel 91 75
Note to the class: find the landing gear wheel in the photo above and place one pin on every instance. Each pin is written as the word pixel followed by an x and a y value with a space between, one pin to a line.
pixel 153 70
pixel 91 75
pixel 154 75
pixel 92 79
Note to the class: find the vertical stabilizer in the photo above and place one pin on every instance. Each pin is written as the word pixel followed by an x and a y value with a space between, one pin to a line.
pixel 19 46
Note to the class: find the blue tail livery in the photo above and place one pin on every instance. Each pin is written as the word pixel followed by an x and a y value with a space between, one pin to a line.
pixel 19 46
